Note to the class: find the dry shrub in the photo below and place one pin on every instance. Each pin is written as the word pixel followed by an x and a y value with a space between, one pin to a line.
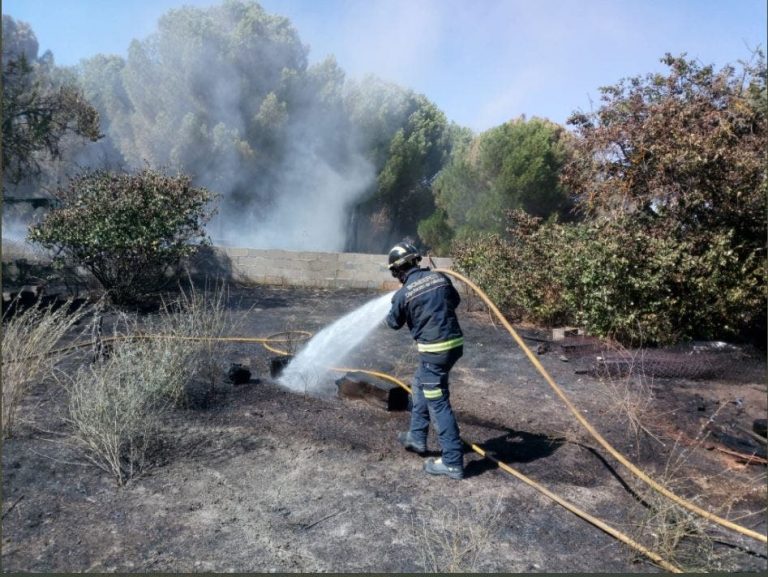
pixel 676 534
pixel 116 404
pixel 450 540
pixel 630 393
pixel 29 339
pixel 115 407
pixel 199 318
pixel 672 532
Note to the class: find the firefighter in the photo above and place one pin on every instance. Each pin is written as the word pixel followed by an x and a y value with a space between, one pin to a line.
pixel 427 303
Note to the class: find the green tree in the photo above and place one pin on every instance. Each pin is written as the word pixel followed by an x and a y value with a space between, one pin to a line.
pixel 417 152
pixel 226 95
pixel 40 108
pixel 513 166
pixel 210 93
pixel 406 137
pixel 682 157
pixel 128 230
pixel 211 76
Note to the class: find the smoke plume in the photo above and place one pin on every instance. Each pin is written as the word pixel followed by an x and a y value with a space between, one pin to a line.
pixel 226 95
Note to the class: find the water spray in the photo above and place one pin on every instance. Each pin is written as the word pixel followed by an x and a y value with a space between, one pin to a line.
pixel 308 371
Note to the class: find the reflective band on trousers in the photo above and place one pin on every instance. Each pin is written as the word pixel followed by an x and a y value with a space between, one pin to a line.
pixel 440 347
pixel 433 393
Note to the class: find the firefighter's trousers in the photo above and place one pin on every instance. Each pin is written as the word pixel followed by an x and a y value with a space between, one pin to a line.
pixel 431 402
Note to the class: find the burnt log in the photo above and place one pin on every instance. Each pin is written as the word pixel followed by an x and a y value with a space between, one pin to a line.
pixel 277 364
pixel 377 392
pixel 238 374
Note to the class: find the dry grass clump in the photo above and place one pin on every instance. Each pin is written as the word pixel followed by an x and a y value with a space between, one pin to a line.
pixel 677 535
pixel 448 540
pixel 630 395
pixel 202 319
pixel 29 338
pixel 674 533
pixel 116 404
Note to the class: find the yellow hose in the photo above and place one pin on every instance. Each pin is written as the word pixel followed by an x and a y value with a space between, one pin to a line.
pixel 273 338
pixel 302 335
pixel 528 481
pixel 598 437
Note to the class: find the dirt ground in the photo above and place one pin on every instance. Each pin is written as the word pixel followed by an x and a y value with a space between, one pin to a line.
pixel 266 480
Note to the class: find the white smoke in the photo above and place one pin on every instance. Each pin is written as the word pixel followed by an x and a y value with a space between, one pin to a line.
pixel 310 212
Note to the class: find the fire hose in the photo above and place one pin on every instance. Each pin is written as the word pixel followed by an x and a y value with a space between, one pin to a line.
pixel 530 482
pixel 265 341
pixel 592 431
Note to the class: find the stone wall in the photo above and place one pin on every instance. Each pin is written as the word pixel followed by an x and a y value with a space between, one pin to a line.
pixel 312 269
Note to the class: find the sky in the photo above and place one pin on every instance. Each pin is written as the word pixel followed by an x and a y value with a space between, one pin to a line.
pixel 482 62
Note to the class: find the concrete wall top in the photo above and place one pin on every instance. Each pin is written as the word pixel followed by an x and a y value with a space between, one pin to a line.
pixel 307 268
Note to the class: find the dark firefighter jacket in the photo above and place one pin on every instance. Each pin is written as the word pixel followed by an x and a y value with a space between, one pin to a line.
pixel 427 303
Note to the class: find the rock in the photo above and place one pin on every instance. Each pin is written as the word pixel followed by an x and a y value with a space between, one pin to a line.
pixel 238 374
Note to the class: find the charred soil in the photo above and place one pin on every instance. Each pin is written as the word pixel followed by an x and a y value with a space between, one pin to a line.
pixel 268 480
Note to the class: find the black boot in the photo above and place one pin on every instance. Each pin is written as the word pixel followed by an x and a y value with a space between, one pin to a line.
pixel 410 445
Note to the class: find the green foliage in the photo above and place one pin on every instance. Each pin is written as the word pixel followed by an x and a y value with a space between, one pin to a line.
pixel 679 161
pixel 524 271
pixel 379 110
pixel 214 93
pixel 128 230
pixel 417 151
pixel 619 278
pixel 436 234
pixel 643 284
pixel 40 110
pixel 408 139
pixel 513 166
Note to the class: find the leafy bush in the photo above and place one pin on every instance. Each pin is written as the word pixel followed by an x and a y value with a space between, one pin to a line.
pixel 524 271
pixel 640 283
pixel 620 278
pixel 128 230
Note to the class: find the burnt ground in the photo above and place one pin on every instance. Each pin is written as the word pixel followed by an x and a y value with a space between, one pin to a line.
pixel 268 480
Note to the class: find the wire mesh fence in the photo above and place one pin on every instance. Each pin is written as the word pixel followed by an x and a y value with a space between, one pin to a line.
pixel 695 360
